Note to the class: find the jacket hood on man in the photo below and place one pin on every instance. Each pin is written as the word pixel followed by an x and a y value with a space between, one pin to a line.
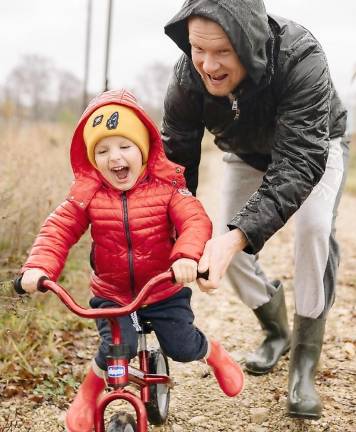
pixel 157 165
pixel 244 21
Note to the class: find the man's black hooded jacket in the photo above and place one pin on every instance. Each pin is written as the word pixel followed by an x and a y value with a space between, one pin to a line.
pixel 288 110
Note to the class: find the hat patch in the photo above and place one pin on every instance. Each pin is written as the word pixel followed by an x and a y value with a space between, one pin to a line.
pixel 113 121
pixel 98 120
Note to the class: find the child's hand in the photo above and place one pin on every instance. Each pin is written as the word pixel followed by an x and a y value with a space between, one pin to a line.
pixel 30 279
pixel 185 270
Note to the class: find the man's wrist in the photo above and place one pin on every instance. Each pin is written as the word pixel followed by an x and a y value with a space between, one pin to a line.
pixel 239 239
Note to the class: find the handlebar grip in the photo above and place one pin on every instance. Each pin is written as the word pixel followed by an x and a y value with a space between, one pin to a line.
pixel 40 286
pixel 204 275
pixel 18 285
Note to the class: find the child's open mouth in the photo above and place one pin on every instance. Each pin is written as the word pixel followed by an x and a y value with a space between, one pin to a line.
pixel 121 172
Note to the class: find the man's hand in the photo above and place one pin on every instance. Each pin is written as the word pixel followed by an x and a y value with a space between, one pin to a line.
pixel 185 270
pixel 30 279
pixel 218 253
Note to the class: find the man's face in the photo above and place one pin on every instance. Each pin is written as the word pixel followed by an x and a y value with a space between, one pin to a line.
pixel 214 57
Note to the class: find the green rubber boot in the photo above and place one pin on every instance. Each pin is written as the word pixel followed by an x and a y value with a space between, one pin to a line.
pixel 273 319
pixel 303 400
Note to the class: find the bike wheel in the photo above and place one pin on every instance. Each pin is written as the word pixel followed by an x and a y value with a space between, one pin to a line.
pixel 121 422
pixel 157 407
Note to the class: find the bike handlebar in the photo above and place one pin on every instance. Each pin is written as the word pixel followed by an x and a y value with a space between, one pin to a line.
pixel 18 286
pixel 44 284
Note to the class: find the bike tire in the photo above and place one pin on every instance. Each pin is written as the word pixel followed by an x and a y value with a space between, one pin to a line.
pixel 158 406
pixel 121 422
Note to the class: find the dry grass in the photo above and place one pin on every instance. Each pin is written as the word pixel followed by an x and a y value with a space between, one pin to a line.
pixel 35 175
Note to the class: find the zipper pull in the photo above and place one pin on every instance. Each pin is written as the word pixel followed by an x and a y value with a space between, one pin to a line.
pixel 235 107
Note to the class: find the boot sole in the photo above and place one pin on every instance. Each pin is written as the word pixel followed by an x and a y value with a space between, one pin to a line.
pixel 258 372
pixel 307 416
pixel 266 371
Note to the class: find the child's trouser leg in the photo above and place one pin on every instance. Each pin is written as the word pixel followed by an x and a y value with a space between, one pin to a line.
pixel 80 416
pixel 128 332
pixel 172 320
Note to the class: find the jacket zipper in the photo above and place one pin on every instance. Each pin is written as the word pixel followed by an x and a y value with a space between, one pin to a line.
pixel 234 105
pixel 129 244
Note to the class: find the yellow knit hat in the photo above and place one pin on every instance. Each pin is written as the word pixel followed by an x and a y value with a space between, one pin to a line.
pixel 115 120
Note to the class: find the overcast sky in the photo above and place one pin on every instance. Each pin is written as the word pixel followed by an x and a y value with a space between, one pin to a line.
pixel 56 29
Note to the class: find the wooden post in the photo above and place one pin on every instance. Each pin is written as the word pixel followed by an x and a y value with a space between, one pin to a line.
pixel 87 55
pixel 108 35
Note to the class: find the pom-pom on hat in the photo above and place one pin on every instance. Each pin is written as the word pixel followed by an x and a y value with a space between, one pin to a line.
pixel 115 120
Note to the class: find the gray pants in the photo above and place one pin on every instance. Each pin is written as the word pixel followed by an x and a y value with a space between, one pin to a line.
pixel 316 250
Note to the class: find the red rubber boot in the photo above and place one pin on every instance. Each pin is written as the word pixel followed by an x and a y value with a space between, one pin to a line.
pixel 227 372
pixel 80 416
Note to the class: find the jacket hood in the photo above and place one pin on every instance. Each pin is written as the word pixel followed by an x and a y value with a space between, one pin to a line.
pixel 244 21
pixel 157 164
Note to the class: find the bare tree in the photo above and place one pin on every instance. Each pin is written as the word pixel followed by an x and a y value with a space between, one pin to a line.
pixel 37 90
pixel 151 87
pixel 8 106
pixel 29 83
pixel 69 93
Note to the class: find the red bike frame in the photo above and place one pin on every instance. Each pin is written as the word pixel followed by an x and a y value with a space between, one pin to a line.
pixel 121 377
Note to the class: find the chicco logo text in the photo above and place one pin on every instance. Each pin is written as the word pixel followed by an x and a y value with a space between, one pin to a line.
pixel 116 371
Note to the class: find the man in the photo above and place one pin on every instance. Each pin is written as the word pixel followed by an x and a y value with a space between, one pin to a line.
pixel 261 85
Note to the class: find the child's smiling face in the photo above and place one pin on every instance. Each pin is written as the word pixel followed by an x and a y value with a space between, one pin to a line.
pixel 119 161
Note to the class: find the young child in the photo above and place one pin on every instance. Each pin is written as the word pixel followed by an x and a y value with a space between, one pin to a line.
pixel 143 221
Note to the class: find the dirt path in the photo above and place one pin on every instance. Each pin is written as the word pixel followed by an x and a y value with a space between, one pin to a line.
pixel 197 404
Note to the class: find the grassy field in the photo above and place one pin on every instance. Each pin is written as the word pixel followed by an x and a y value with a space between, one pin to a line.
pixel 35 172
pixel 36 175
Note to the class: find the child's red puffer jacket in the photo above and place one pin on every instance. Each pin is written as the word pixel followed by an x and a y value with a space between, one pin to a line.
pixel 133 232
